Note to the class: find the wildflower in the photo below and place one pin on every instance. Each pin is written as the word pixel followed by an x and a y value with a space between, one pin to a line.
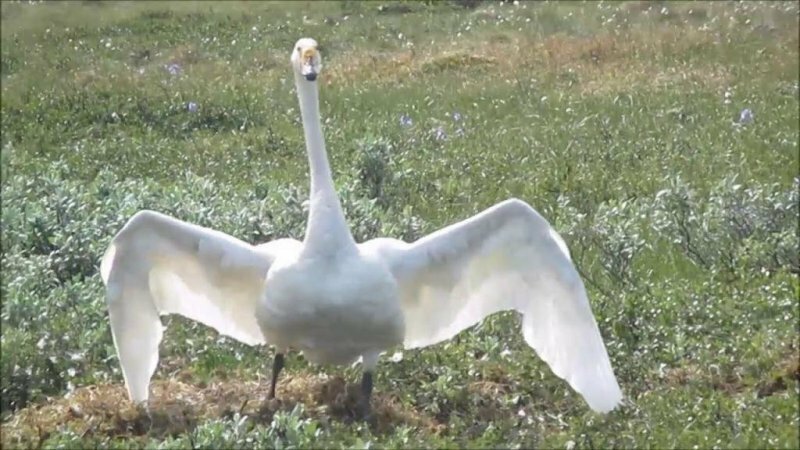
pixel 439 134
pixel 727 96
pixel 173 68
pixel 406 121
pixel 457 117
pixel 192 107
pixel 746 116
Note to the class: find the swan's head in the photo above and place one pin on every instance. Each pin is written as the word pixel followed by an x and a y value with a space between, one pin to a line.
pixel 306 59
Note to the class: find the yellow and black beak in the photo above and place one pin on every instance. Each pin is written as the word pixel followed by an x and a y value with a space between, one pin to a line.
pixel 309 71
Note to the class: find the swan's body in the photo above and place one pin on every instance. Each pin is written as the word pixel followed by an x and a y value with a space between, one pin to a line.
pixel 337 300
pixel 335 309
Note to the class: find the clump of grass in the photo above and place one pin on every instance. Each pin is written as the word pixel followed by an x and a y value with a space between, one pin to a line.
pixel 176 408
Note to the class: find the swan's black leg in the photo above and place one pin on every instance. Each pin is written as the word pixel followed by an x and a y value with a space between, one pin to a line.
pixel 143 409
pixel 277 365
pixel 366 394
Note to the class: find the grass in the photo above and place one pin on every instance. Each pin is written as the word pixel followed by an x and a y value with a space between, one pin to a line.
pixel 617 121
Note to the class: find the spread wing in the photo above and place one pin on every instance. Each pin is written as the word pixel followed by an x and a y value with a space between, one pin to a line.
pixel 158 265
pixel 505 258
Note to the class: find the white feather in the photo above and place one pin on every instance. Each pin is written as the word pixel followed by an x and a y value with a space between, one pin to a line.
pixel 505 258
pixel 158 265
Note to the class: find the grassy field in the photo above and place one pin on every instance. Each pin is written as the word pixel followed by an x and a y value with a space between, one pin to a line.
pixel 622 123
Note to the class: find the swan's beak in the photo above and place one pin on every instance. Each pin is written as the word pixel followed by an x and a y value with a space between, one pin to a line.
pixel 309 70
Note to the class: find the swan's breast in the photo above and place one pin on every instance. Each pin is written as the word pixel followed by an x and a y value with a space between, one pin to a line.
pixel 334 309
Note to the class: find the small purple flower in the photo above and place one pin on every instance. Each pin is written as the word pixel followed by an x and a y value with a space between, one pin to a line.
pixel 192 107
pixel 439 134
pixel 173 68
pixel 746 116
pixel 406 121
pixel 457 117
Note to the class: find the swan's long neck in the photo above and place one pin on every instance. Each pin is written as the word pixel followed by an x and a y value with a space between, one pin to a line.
pixel 327 232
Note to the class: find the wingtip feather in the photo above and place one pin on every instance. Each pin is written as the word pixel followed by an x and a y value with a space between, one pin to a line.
pixel 605 397
pixel 107 262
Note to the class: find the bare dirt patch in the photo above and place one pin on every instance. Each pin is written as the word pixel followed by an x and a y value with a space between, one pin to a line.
pixel 597 64
pixel 787 372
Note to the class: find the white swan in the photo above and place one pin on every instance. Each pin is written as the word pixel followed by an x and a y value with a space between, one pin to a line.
pixel 336 300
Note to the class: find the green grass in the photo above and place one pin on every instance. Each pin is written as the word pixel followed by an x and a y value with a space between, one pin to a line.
pixel 614 120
